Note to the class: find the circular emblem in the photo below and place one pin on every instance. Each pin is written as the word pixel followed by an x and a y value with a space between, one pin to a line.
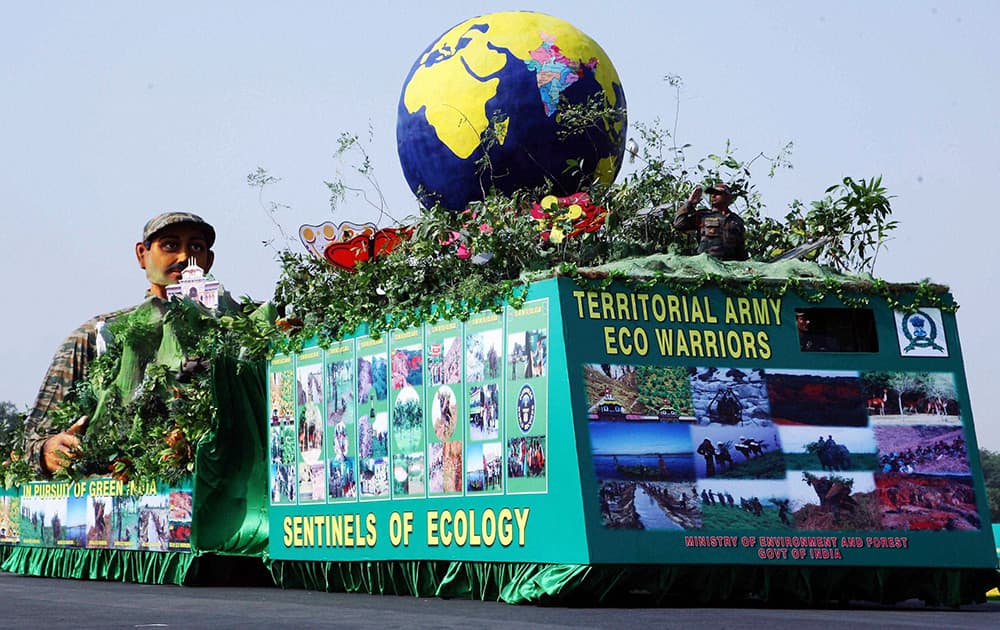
pixel 920 331
pixel 526 408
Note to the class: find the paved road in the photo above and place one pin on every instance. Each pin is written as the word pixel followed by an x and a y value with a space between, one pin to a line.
pixel 27 602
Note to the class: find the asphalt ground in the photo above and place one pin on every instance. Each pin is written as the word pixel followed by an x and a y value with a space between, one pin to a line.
pixel 49 603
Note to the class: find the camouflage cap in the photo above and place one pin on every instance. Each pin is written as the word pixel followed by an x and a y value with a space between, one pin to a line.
pixel 719 188
pixel 167 219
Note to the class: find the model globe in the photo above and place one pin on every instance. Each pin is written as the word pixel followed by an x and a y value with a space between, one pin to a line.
pixel 500 101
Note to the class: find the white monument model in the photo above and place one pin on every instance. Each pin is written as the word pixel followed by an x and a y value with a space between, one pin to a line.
pixel 196 286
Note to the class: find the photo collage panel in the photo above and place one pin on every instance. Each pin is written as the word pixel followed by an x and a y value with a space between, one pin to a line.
pixel 373 418
pixel 445 409
pixel 282 448
pixel 923 479
pixel 526 399
pixel 736 448
pixel 484 383
pixel 341 422
pixel 407 443
pixel 10 518
pixel 310 427
pixel 157 522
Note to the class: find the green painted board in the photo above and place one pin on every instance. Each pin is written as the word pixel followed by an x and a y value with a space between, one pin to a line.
pixel 623 426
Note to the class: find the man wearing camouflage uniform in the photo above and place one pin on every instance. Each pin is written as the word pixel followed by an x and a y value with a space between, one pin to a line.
pixel 168 241
pixel 721 232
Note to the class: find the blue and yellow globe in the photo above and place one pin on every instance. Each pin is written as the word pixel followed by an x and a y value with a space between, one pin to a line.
pixel 499 101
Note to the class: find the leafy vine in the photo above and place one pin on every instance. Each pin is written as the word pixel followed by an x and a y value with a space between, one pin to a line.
pixel 146 425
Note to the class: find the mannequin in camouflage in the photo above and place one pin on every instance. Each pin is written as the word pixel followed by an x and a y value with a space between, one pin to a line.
pixel 720 231
pixel 168 240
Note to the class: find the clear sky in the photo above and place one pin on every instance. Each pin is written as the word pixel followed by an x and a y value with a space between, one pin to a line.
pixel 801 492
pixel 115 111
pixel 639 438
pixel 794 439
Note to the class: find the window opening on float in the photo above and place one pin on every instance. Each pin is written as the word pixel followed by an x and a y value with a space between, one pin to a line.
pixel 836 329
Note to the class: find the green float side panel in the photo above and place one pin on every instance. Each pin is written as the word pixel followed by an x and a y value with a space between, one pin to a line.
pixel 619 426
pixel 666 381
pixel 453 441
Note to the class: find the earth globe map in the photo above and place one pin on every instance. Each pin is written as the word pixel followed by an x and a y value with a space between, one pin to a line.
pixel 485 106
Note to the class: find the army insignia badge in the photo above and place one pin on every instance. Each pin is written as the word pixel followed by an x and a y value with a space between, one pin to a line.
pixel 921 333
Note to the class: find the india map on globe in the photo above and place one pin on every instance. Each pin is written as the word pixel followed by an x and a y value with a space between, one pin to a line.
pixel 484 106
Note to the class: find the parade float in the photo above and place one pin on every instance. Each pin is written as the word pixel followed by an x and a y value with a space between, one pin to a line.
pixel 534 393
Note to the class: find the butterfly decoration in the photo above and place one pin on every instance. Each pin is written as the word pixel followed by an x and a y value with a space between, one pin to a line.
pixel 552 213
pixel 348 244
pixel 315 238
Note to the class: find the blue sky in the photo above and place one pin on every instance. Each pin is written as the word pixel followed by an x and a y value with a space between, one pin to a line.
pixel 639 438
pixel 794 439
pixel 116 111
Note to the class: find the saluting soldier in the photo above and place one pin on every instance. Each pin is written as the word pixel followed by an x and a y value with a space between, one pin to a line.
pixel 720 231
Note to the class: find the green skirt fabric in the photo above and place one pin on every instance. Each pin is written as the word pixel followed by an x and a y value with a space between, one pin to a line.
pixel 522 583
pixel 99 564
pixel 637 585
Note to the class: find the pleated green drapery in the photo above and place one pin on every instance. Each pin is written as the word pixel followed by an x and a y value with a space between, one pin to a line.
pixel 100 564
pixel 603 585
pixel 230 484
